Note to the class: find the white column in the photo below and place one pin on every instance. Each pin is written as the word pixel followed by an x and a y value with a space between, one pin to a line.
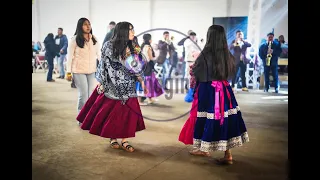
pixel 254 20
pixel 35 21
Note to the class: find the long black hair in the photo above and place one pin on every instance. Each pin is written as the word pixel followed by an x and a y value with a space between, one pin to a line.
pixel 146 41
pixel 79 33
pixel 120 39
pixel 217 46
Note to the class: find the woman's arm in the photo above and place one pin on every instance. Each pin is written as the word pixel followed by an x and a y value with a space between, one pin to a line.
pixel 150 53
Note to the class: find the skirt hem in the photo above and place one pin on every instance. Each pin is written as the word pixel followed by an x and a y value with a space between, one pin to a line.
pixel 221 145
pixel 114 137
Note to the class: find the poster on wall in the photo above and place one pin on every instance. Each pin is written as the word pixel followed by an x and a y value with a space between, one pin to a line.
pixel 232 25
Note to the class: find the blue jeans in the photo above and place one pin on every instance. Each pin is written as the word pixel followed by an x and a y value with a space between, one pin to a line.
pixel 60 64
pixel 184 69
pixel 85 84
pixel 274 69
pixel 50 67
pixel 165 71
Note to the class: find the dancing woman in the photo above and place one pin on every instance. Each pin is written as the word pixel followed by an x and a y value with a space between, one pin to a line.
pixel 113 111
pixel 152 83
pixel 219 125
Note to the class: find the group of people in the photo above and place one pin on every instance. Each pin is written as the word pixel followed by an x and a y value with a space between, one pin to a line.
pixel 269 52
pixel 108 105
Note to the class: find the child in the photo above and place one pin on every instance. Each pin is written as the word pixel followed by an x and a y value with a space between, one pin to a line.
pixel 219 125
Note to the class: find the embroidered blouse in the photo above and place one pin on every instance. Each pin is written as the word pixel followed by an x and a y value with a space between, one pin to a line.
pixel 117 82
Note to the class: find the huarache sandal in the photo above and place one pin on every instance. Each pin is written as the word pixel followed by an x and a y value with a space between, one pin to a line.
pixel 127 147
pixel 114 144
pixel 224 161
pixel 197 152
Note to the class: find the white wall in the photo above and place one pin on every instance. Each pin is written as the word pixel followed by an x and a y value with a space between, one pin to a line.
pixel 60 13
pixel 181 15
pixel 275 17
pixel 136 12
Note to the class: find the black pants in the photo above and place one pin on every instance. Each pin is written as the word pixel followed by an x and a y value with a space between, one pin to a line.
pixel 243 68
pixel 50 67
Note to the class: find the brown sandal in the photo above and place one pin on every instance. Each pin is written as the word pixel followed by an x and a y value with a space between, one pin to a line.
pixel 114 144
pixel 128 147
pixel 224 161
pixel 199 153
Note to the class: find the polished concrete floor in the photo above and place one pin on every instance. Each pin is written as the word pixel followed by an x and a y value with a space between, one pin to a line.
pixel 62 151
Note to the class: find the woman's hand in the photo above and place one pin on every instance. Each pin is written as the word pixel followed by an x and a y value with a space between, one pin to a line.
pixel 69 77
pixel 195 54
pixel 100 88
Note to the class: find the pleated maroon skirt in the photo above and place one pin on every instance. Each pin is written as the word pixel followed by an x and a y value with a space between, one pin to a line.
pixel 109 118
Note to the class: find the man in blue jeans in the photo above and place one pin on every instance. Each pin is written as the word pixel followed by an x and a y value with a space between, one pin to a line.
pixel 272 48
pixel 62 43
pixel 166 48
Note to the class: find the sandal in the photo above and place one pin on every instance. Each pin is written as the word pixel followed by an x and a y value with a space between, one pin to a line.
pixel 199 153
pixel 128 147
pixel 225 161
pixel 114 144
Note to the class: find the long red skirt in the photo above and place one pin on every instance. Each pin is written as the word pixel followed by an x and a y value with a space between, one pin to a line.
pixel 186 133
pixel 109 118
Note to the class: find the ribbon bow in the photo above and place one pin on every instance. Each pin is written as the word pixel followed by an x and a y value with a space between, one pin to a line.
pixel 219 100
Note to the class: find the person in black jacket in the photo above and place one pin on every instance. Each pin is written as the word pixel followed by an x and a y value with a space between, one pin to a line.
pixel 51 52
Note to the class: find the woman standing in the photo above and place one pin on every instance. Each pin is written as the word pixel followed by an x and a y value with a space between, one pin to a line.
pixel 113 111
pixel 219 125
pixel 51 52
pixel 152 83
pixel 84 50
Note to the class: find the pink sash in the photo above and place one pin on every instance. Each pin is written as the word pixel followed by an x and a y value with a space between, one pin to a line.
pixel 219 100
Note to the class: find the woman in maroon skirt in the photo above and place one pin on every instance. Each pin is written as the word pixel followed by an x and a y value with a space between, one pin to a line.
pixel 113 111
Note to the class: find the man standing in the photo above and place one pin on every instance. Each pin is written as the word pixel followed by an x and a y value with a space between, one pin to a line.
pixel 62 43
pixel 181 43
pixel 191 53
pixel 239 47
pixel 269 53
pixel 109 35
pixel 165 47
pixel 191 47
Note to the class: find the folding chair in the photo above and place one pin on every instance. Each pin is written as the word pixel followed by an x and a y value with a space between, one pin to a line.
pixel 41 62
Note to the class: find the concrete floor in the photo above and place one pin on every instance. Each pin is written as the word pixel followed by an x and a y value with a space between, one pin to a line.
pixel 62 151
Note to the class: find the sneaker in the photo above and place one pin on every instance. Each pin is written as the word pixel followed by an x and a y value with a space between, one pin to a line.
pixel 52 80
pixel 245 89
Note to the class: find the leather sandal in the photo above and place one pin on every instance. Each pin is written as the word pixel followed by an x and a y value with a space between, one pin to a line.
pixel 114 144
pixel 225 161
pixel 128 147
pixel 199 153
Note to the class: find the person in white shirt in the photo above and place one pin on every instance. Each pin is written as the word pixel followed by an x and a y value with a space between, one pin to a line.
pixel 191 48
